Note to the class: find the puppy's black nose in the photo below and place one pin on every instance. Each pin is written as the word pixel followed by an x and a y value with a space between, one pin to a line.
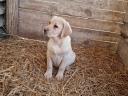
pixel 45 30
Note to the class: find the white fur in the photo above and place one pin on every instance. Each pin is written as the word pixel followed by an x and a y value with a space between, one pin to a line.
pixel 59 51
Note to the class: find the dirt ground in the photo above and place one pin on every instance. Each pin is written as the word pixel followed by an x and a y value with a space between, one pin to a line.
pixel 98 71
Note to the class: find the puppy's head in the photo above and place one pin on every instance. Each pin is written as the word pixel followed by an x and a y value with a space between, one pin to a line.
pixel 57 27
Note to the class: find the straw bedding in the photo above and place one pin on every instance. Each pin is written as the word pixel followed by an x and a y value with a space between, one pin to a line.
pixel 98 71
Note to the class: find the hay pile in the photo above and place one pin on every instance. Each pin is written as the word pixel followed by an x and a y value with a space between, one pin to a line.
pixel 98 71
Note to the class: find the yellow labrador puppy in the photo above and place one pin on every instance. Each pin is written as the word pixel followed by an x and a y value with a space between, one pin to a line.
pixel 59 50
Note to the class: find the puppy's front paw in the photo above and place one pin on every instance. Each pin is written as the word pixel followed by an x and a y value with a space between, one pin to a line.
pixel 48 75
pixel 59 76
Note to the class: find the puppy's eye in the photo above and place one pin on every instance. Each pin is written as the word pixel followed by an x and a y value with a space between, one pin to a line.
pixel 55 26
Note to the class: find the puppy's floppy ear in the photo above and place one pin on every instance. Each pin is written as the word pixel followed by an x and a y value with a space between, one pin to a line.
pixel 66 29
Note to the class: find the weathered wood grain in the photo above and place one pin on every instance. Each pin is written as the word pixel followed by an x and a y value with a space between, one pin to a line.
pixel 126 5
pixel 123 51
pixel 81 35
pixel 26 14
pixel 12 16
pixel 35 20
pixel 116 5
pixel 124 32
pixel 83 8
pixel 123 44
pixel 94 19
pixel 94 24
pixel 126 18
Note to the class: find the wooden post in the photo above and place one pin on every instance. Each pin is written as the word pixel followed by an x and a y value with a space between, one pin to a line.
pixel 12 16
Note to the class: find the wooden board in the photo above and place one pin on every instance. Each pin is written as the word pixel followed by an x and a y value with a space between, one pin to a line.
pixel 35 20
pixel 123 51
pixel 25 15
pixel 126 18
pixel 90 19
pixel 12 16
pixel 115 5
pixel 82 8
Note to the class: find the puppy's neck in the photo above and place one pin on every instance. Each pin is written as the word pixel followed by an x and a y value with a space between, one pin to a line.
pixel 58 40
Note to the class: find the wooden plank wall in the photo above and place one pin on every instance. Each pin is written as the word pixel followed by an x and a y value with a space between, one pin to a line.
pixel 125 27
pixel 123 44
pixel 90 19
pixel 12 7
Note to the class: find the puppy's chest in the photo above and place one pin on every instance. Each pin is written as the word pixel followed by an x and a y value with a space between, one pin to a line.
pixel 55 49
pixel 55 54
pixel 57 59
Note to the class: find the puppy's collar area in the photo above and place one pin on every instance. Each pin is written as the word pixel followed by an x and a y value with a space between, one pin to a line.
pixel 58 40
